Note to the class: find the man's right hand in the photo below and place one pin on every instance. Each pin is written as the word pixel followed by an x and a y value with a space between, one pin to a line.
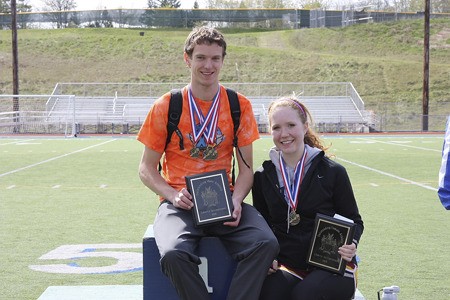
pixel 183 200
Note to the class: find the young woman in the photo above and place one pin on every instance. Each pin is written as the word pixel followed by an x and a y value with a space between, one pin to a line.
pixel 298 182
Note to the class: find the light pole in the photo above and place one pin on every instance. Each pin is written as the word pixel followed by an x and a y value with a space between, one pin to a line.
pixel 15 64
pixel 426 67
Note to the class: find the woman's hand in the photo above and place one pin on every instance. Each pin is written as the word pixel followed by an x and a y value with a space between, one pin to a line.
pixel 273 268
pixel 347 252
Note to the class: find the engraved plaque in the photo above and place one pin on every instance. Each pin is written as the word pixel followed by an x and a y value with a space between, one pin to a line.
pixel 211 196
pixel 329 234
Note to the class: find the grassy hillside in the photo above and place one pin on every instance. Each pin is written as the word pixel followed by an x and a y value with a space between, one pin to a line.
pixel 384 61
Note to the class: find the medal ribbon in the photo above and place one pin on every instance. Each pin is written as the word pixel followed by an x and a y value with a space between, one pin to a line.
pixel 292 189
pixel 208 124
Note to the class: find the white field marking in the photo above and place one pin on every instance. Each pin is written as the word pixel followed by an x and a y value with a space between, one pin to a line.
pixel 11 187
pixel 403 145
pixel 53 158
pixel 15 142
pixel 126 261
pixel 27 143
pixel 390 175
pixel 362 142
pixel 400 142
pixel 374 184
pixel 56 186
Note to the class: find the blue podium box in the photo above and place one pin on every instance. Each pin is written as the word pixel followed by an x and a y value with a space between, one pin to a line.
pixel 217 269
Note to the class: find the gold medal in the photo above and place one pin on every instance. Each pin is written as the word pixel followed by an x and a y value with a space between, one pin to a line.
pixel 294 218
pixel 292 186
pixel 210 153
pixel 195 152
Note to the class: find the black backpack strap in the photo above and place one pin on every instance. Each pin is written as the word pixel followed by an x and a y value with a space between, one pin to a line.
pixel 235 111
pixel 175 109
pixel 174 114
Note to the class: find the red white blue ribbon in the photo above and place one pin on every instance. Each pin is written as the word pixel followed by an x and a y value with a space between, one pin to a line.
pixel 208 124
pixel 292 187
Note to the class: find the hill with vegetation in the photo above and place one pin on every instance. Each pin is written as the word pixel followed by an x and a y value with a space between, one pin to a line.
pixel 384 61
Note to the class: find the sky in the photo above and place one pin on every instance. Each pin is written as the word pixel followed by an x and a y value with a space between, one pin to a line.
pixel 110 4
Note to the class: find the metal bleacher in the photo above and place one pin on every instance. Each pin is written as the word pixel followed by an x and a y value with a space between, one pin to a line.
pixel 327 112
pixel 126 113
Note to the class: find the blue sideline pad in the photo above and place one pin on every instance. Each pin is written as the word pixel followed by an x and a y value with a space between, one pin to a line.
pixel 217 269
pixel 94 292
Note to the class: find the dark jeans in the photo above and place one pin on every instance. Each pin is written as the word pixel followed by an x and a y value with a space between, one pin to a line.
pixel 252 244
pixel 318 285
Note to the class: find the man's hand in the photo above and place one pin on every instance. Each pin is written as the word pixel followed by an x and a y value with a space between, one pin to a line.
pixel 236 215
pixel 183 200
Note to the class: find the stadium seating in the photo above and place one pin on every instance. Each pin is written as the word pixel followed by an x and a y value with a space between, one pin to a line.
pixel 95 108
pixel 329 113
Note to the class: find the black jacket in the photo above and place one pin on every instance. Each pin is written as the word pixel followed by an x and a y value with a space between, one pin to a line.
pixel 325 189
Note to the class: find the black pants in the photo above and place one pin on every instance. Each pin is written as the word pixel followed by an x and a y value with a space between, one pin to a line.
pixel 318 285
pixel 252 244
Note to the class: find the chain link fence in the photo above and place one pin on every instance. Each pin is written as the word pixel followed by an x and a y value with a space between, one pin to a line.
pixel 187 18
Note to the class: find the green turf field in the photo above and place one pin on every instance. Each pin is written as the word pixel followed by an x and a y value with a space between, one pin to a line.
pixel 85 194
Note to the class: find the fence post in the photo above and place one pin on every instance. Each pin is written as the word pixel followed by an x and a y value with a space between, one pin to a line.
pixel 74 130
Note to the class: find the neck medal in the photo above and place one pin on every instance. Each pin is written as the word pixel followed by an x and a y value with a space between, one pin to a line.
pixel 294 218
pixel 292 187
pixel 204 132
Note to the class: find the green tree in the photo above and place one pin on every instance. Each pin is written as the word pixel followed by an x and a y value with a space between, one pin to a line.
pixel 153 18
pixel 5 6
pixel 106 20
pixel 253 3
pixel 312 4
pixel 152 4
pixel 264 3
pixel 60 5
pixel 223 4
pixel 22 6
pixel 61 16
pixel 439 6
pixel 168 3
pixel 274 3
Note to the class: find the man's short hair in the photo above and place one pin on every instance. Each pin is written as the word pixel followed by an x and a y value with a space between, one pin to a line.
pixel 204 35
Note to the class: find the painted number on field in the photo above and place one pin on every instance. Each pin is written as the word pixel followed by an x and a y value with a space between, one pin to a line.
pixel 125 261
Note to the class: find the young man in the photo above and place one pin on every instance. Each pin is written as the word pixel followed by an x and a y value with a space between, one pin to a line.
pixel 206 127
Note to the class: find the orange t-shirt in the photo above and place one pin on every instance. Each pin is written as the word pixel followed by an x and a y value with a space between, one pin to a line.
pixel 195 158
